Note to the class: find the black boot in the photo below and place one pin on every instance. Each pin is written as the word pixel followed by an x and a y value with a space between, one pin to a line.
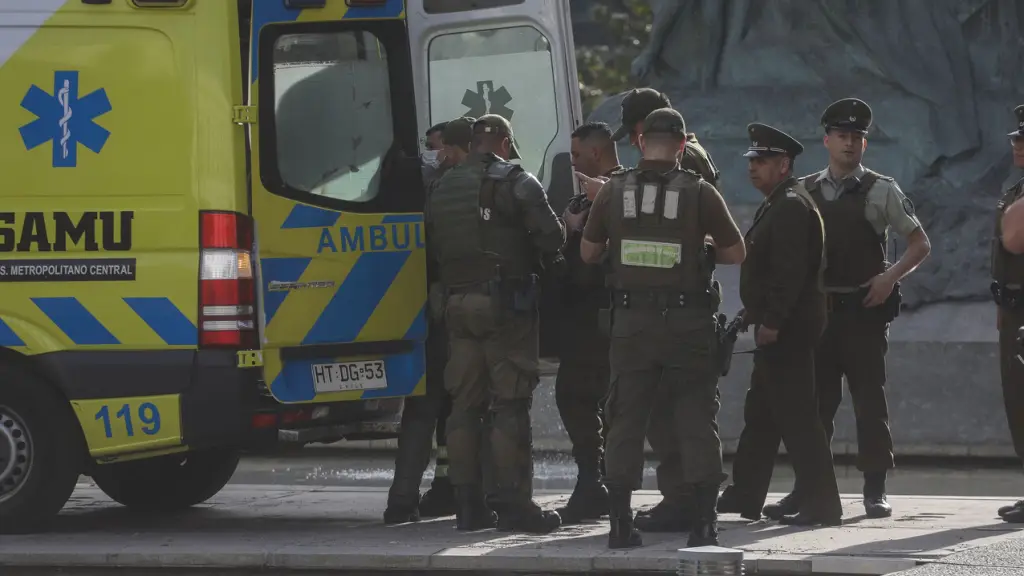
pixel 439 500
pixel 788 505
pixel 620 518
pixel 472 512
pixel 401 512
pixel 589 499
pixel 733 502
pixel 875 504
pixel 704 531
pixel 667 516
pixel 527 517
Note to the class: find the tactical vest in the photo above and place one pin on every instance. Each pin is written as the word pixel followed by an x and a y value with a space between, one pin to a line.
pixel 475 241
pixel 1007 268
pixel 855 251
pixel 656 241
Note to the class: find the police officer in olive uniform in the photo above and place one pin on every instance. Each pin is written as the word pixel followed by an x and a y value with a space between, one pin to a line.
pixel 653 221
pixel 423 417
pixel 490 222
pixel 1008 293
pixel 782 289
pixel 859 206
pixel 672 513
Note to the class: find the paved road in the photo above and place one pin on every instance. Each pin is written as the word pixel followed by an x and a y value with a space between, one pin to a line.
pixel 331 467
pixel 321 509
pixel 256 527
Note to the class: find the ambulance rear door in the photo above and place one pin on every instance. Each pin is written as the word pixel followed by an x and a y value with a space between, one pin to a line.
pixel 337 198
pixel 514 58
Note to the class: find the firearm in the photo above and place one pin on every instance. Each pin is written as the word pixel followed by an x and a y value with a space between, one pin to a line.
pixel 727 334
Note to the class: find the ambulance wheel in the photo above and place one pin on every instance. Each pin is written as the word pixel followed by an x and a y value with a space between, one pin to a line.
pixel 167 483
pixel 40 451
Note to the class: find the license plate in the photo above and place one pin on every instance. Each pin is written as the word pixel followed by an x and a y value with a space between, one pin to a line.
pixel 342 376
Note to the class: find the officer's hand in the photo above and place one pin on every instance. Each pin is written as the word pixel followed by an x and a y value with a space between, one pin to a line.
pixel 742 314
pixel 590 185
pixel 765 336
pixel 879 289
pixel 574 221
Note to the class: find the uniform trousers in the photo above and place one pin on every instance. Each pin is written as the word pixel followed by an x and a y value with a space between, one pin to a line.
pixel 493 364
pixel 423 420
pixel 664 357
pixel 1012 373
pixel 781 405
pixel 854 345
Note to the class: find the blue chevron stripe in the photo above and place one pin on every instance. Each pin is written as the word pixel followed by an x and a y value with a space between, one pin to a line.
pixel 75 321
pixel 295 382
pixel 357 297
pixel 169 323
pixel 281 270
pixel 8 337
pixel 303 216
pixel 418 329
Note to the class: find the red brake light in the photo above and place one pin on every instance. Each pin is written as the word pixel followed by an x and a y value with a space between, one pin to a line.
pixel 227 295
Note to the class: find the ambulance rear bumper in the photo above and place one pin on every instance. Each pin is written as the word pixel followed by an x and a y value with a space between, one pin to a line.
pixel 217 399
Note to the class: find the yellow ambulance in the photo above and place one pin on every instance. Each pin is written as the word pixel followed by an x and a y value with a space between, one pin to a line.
pixel 210 229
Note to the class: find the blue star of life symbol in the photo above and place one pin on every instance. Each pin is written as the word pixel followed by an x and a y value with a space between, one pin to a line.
pixel 65 119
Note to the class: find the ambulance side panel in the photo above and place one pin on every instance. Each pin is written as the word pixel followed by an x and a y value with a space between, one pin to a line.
pixel 116 130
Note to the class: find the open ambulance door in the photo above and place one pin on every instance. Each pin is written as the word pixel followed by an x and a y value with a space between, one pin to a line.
pixel 337 200
pixel 514 58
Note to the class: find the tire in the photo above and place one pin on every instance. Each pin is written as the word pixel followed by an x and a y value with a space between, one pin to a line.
pixel 167 483
pixel 41 451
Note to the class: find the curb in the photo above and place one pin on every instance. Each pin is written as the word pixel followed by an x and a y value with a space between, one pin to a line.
pixel 463 558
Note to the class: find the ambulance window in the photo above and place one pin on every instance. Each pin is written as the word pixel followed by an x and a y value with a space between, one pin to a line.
pixel 446 6
pixel 332 103
pixel 504 71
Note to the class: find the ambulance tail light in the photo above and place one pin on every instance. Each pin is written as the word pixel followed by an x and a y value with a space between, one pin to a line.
pixel 227 293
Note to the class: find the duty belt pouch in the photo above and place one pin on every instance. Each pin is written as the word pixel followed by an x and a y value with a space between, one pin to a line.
pixel 525 297
pixel 499 299
pixel 890 309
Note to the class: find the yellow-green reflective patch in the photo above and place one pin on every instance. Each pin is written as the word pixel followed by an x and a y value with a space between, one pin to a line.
pixel 650 254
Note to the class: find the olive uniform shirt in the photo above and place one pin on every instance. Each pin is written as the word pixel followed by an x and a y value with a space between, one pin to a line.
pixel 885 206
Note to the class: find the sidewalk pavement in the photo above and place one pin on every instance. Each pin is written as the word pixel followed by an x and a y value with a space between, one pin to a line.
pixel 304 527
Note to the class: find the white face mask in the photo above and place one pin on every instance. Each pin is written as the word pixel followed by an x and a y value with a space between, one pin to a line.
pixel 429 158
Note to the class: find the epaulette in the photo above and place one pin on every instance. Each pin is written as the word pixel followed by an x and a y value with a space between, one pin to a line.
pixel 501 170
pixel 692 172
pixel 621 171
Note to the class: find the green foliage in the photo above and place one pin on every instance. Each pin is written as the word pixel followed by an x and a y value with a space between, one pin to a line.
pixel 604 69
